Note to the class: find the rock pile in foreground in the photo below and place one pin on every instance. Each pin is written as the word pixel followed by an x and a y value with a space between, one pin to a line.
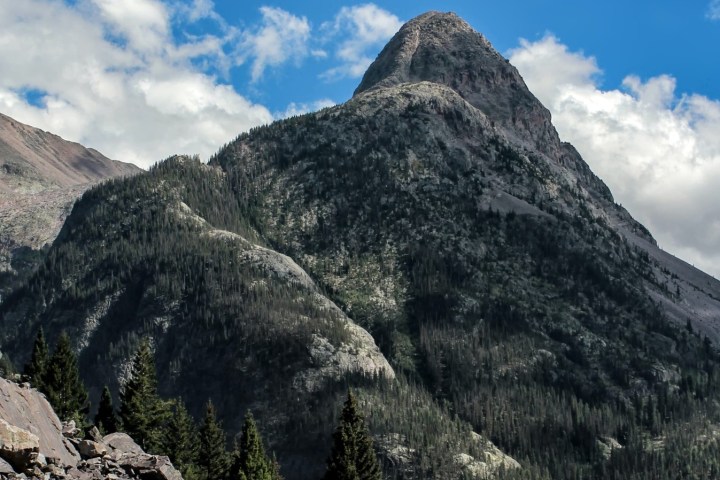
pixel 35 444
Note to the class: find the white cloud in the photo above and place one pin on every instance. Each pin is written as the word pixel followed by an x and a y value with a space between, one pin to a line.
pixel 200 9
pixel 114 78
pixel 658 151
pixel 713 12
pixel 143 23
pixel 294 109
pixel 365 28
pixel 280 38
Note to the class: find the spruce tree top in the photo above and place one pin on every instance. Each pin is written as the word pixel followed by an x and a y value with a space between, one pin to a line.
pixel 352 456
pixel 142 411
pixel 64 389
pixel 35 369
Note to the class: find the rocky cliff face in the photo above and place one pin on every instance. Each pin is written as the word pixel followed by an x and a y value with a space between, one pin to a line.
pixel 430 242
pixel 443 49
pixel 41 176
pixel 34 444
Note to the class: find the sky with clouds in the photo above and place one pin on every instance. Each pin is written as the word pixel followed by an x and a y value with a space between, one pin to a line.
pixel 633 85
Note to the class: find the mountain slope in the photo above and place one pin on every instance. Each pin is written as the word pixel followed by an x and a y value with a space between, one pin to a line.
pixel 438 210
pixel 169 255
pixel 41 175
pixel 445 215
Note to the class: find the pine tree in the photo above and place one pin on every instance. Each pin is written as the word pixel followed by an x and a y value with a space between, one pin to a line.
pixel 214 458
pixel 142 412
pixel 250 460
pixel 352 456
pixel 35 369
pixel 105 418
pixel 62 384
pixel 181 441
pixel 6 366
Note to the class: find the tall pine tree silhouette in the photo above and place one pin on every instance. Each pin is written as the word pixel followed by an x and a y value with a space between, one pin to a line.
pixel 181 441
pixel 35 369
pixel 214 459
pixel 105 419
pixel 352 456
pixel 250 461
pixel 62 384
pixel 142 412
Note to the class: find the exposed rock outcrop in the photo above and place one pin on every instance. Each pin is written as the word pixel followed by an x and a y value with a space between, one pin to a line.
pixel 33 445
pixel 23 408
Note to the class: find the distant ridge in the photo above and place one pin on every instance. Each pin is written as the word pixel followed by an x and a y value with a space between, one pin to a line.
pixel 41 176
pixel 31 159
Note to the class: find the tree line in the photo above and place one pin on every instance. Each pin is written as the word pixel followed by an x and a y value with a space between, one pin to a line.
pixel 165 427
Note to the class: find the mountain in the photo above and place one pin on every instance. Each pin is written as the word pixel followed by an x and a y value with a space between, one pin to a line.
pixel 41 175
pixel 431 243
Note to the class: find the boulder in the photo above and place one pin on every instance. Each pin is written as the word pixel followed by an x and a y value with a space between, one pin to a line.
pixel 5 468
pixel 122 442
pixel 34 444
pixel 151 467
pixel 27 409
pixel 94 435
pixel 91 449
pixel 38 459
pixel 17 445
pixel 69 429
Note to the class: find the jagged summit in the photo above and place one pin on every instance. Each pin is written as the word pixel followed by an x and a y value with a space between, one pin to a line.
pixel 409 57
pixel 443 48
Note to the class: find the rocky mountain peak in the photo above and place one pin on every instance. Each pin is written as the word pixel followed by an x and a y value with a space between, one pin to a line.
pixel 442 48
pixel 408 55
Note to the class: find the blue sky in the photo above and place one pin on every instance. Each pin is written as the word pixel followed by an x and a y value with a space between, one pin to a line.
pixel 646 38
pixel 632 84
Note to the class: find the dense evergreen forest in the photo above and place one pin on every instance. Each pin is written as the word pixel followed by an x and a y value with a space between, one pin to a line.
pixel 507 311
pixel 559 405
pixel 220 324
pixel 164 427
pixel 535 328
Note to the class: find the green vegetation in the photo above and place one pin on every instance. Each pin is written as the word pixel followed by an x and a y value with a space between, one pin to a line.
pixel 250 460
pixel 352 456
pixel 62 385
pixel 142 412
pixel 214 459
pixel 35 369
pixel 105 419
pixel 6 366
pixel 536 329
pixel 529 325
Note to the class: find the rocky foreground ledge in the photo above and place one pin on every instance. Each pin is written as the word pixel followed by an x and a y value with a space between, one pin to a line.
pixel 35 444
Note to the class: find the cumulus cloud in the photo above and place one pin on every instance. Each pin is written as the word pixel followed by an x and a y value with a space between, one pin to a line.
pixel 114 78
pixel 281 37
pixel 658 150
pixel 713 12
pixel 143 23
pixel 364 28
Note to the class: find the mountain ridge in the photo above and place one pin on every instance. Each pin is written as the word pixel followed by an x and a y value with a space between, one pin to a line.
pixel 44 158
pixel 509 294
pixel 41 175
